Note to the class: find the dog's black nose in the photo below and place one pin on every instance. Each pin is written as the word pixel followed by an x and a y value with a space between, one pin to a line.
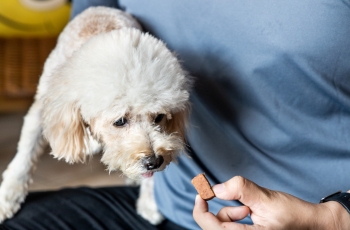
pixel 152 162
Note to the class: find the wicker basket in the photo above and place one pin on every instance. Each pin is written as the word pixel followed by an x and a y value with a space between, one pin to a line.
pixel 21 64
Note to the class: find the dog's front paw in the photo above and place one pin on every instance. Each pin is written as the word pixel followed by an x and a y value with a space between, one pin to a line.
pixel 7 209
pixel 147 208
pixel 12 194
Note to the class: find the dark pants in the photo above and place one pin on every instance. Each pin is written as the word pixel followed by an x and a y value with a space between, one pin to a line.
pixel 82 209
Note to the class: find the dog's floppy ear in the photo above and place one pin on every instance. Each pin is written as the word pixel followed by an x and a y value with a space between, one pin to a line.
pixel 64 128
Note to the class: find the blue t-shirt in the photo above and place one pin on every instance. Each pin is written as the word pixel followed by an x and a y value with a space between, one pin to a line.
pixel 271 100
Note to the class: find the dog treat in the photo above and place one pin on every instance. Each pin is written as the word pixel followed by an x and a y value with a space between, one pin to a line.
pixel 203 187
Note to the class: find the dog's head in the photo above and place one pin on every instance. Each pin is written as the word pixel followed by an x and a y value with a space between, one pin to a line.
pixel 126 90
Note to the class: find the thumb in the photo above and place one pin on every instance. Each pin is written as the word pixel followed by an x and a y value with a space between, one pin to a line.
pixel 241 189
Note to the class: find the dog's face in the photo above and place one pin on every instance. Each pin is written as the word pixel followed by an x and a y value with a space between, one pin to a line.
pixel 140 144
pixel 127 91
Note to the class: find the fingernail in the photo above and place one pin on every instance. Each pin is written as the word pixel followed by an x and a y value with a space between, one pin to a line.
pixel 197 199
pixel 219 188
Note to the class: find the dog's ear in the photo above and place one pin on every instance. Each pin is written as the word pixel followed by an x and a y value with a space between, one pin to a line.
pixel 64 128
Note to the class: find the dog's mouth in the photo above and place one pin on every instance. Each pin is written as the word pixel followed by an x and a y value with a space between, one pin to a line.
pixel 147 174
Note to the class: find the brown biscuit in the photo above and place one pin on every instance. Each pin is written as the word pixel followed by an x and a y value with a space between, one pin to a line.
pixel 203 187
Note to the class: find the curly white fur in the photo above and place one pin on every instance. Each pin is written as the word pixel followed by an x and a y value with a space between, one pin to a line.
pixel 104 69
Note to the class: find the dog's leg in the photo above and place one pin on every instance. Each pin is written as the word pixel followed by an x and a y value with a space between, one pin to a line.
pixel 17 176
pixel 146 205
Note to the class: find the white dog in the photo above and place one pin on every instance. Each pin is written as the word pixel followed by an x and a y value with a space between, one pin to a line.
pixel 106 86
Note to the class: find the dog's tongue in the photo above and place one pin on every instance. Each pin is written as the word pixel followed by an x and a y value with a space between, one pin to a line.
pixel 147 174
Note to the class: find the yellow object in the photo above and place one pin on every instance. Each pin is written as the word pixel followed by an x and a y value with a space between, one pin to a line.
pixel 33 18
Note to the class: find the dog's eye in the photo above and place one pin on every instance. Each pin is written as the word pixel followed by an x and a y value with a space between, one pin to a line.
pixel 159 118
pixel 121 122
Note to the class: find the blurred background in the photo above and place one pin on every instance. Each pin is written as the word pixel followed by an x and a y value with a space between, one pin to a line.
pixel 28 32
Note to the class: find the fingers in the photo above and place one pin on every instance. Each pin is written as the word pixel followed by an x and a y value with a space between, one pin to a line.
pixel 200 205
pixel 229 214
pixel 205 219
pixel 239 188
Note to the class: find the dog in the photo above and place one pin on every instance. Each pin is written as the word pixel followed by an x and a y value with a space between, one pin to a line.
pixel 109 87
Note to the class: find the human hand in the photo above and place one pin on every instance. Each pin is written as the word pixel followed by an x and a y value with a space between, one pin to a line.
pixel 268 209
